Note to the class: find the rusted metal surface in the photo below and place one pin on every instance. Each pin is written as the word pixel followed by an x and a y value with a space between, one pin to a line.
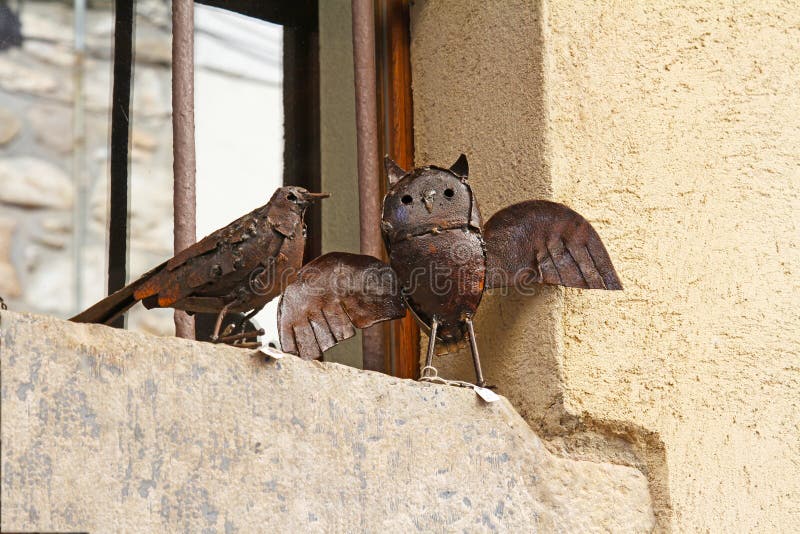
pixel 332 295
pixel 542 242
pixel 368 159
pixel 236 269
pixel 443 261
pixel 366 126
pixel 120 133
pixel 184 163
pixel 432 230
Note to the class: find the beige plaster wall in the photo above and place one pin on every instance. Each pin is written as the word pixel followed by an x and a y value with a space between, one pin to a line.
pixel 675 129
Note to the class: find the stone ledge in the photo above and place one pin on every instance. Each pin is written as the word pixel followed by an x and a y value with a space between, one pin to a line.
pixel 104 430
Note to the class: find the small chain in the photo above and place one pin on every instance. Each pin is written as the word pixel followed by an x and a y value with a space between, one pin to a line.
pixel 434 378
pixel 3 304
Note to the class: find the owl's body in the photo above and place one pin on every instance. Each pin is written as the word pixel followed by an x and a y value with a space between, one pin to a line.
pixel 434 286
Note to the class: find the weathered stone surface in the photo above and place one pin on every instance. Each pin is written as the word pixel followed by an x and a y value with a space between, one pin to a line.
pixel 52 126
pixel 55 232
pixel 50 280
pixel 34 183
pixel 105 430
pixel 143 140
pixel 47 22
pixel 150 94
pixel 9 126
pixel 9 281
pixel 54 54
pixel 154 48
pixel 15 77
pixel 150 209
pixel 151 97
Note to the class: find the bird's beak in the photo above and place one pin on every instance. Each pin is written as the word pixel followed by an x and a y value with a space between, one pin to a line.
pixel 427 199
pixel 316 196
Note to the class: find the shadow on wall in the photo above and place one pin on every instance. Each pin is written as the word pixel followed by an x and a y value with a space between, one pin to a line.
pixel 460 106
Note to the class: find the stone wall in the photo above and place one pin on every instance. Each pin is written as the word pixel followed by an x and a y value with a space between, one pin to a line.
pixel 45 153
pixel 674 128
pixel 115 431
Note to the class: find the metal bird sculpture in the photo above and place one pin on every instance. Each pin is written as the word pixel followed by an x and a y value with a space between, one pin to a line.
pixel 236 269
pixel 441 260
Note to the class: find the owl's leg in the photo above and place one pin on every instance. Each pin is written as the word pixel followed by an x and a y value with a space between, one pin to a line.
pixel 475 358
pixel 252 313
pixel 431 345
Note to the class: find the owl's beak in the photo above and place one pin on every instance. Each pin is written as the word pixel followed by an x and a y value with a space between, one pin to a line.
pixel 427 199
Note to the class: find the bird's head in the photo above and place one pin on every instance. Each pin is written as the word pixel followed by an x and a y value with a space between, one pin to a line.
pixel 296 198
pixel 427 199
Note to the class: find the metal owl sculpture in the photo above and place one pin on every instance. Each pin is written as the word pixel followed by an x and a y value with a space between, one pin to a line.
pixel 441 260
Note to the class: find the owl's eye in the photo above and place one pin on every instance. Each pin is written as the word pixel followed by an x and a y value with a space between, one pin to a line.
pixel 291 197
pixel 449 193
pixel 406 199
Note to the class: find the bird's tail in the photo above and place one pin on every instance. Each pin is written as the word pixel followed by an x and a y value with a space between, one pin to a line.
pixel 114 305
pixel 109 308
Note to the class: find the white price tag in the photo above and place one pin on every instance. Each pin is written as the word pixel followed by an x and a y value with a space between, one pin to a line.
pixel 486 394
pixel 275 354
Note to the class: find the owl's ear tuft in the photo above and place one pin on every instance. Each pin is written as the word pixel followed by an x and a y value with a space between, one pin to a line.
pixel 460 167
pixel 393 171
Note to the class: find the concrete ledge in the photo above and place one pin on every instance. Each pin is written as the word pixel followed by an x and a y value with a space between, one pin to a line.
pixel 105 430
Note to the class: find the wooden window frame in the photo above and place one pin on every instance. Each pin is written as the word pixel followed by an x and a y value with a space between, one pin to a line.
pixel 396 131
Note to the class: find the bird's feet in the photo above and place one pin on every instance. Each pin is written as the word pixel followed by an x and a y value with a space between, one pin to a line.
pixel 240 340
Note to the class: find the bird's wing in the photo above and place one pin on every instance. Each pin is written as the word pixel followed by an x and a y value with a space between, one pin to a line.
pixel 332 295
pixel 218 263
pixel 541 242
pixel 234 232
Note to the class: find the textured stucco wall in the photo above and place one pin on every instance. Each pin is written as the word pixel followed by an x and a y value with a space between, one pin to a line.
pixel 675 129
pixel 678 127
pixel 338 127
pixel 110 431
pixel 338 146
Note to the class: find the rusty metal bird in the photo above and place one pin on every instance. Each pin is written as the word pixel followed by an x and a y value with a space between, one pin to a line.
pixel 441 260
pixel 236 269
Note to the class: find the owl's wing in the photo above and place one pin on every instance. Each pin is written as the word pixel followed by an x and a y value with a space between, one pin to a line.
pixel 541 242
pixel 332 295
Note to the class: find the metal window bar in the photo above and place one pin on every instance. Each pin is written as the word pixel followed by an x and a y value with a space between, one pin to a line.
pixel 120 134
pixel 369 187
pixel 184 164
